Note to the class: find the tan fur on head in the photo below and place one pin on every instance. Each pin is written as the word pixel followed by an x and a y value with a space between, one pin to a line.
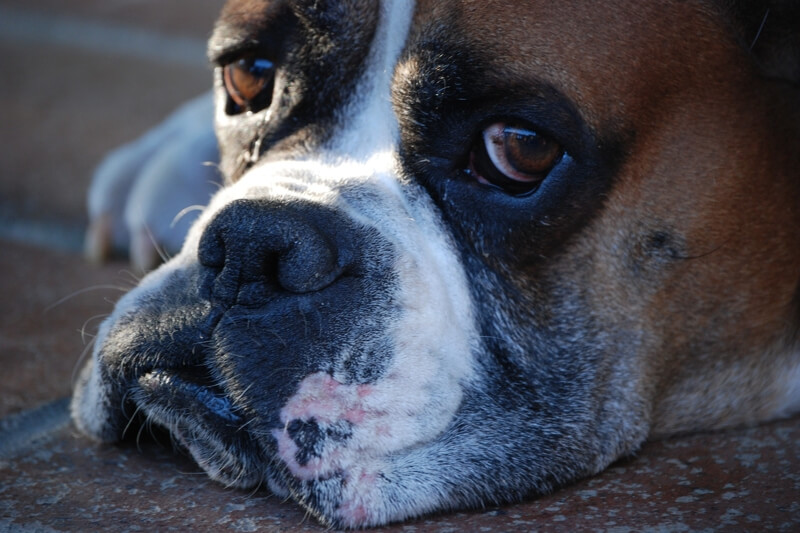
pixel 688 215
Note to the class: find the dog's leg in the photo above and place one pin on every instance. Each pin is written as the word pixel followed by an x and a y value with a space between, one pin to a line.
pixel 142 193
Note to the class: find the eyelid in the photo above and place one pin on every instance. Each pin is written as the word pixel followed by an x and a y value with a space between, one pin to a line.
pixel 237 51
pixel 239 33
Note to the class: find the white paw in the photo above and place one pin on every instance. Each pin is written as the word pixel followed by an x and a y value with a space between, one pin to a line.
pixel 145 194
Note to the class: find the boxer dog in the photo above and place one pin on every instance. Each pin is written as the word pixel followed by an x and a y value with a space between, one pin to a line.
pixel 472 250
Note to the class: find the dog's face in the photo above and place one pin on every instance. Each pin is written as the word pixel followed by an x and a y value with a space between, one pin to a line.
pixel 469 250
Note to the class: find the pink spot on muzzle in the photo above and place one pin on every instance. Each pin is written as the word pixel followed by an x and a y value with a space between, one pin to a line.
pixel 323 401
pixel 353 514
pixel 316 398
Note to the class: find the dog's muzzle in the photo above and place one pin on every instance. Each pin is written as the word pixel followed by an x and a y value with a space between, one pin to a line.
pixel 292 342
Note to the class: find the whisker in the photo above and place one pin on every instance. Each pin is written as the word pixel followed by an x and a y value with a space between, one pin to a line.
pixel 139 436
pixel 136 278
pixel 252 494
pixel 243 426
pixel 83 291
pixel 79 364
pixel 83 332
pixel 185 211
pixel 760 29
pixel 162 253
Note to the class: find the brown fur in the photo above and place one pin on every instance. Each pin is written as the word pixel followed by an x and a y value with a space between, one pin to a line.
pixel 711 145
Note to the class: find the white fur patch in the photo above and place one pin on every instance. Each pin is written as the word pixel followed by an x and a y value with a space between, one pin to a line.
pixel 373 127
pixel 432 337
pixel 89 407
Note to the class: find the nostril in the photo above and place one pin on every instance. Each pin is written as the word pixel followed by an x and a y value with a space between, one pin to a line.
pixel 264 241
pixel 211 252
pixel 308 265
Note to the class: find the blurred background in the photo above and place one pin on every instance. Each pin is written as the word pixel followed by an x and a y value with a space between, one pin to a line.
pixel 80 77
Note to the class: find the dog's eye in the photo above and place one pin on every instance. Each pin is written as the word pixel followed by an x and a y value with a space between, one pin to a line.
pixel 514 158
pixel 249 83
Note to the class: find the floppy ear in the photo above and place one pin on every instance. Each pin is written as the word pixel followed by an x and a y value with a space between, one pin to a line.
pixel 771 30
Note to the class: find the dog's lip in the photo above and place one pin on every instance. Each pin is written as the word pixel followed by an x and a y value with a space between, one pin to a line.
pixel 169 388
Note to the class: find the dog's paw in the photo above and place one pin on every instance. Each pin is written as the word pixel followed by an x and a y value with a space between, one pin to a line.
pixel 145 195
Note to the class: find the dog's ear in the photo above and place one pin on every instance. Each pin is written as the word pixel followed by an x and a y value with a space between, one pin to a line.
pixel 771 31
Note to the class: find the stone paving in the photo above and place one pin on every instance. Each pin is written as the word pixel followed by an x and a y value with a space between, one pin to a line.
pixel 66 98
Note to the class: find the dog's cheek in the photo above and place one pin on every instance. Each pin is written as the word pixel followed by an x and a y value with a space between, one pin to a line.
pixel 90 405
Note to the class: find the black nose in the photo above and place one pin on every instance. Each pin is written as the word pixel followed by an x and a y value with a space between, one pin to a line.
pixel 290 247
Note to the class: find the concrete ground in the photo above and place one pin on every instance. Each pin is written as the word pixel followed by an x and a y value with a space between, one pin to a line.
pixel 82 76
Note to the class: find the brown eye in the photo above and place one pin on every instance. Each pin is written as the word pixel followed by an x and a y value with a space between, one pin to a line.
pixel 515 159
pixel 249 83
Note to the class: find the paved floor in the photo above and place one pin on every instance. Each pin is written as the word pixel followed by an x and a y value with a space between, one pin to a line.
pixel 68 93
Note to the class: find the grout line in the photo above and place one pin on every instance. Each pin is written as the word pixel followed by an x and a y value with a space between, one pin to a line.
pixel 51 235
pixel 25 26
pixel 18 431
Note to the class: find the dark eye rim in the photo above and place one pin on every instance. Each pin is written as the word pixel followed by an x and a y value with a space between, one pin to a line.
pixel 482 170
pixel 239 103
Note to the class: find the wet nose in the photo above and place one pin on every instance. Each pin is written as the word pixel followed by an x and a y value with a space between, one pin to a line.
pixel 290 247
